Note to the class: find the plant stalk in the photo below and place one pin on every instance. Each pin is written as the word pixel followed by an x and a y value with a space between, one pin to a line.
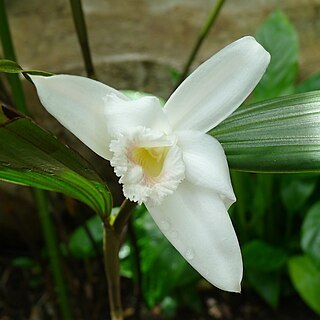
pixel 112 239
pixel 124 215
pixel 111 247
pixel 8 51
pixel 213 15
pixel 81 29
pixel 48 232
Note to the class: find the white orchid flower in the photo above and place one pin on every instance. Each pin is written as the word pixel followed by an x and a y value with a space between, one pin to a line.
pixel 164 157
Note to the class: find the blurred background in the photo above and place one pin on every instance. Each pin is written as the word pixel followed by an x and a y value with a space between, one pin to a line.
pixel 142 45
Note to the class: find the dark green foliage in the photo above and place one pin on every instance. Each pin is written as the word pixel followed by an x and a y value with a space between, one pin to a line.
pixel 33 157
pixel 277 35
pixel 305 276
pixel 270 210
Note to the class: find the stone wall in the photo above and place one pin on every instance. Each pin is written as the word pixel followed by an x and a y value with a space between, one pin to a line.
pixel 130 36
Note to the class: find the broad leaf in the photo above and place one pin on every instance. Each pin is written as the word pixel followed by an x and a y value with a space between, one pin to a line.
pixel 267 285
pixel 310 239
pixel 296 190
pixel 278 36
pixel 33 157
pixel 278 135
pixel 305 276
pixel 261 256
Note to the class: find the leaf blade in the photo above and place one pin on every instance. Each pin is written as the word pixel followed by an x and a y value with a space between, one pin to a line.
pixel 305 277
pixel 277 35
pixel 310 237
pixel 31 156
pixel 277 135
pixel 9 66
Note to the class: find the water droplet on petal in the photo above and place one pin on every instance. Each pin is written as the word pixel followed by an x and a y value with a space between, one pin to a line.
pixel 165 225
pixel 189 254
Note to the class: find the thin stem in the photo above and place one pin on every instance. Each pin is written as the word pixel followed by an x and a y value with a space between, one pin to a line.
pixel 40 197
pixel 201 37
pixel 112 239
pixel 124 215
pixel 8 51
pixel 111 247
pixel 80 24
pixel 48 231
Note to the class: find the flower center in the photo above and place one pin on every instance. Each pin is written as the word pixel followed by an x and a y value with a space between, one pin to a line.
pixel 149 163
pixel 150 159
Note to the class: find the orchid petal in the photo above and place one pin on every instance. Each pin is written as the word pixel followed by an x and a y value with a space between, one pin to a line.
pixel 196 222
pixel 78 103
pixel 206 164
pixel 218 87
pixel 144 112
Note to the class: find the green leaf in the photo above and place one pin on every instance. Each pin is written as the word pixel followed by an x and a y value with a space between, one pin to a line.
pixel 305 276
pixel 310 84
pixel 310 238
pixel 296 190
pixel 8 66
pixel 267 285
pixel 278 36
pixel 263 265
pixel 33 157
pixel 80 245
pixel 127 265
pixel 260 256
pixel 278 135
pixel 24 262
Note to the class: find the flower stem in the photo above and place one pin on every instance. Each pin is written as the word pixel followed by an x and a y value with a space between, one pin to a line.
pixel 111 247
pixel 112 240
pixel 123 215
pixel 202 35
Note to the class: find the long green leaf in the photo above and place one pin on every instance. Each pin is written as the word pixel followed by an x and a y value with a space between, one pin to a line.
pixel 279 135
pixel 31 156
